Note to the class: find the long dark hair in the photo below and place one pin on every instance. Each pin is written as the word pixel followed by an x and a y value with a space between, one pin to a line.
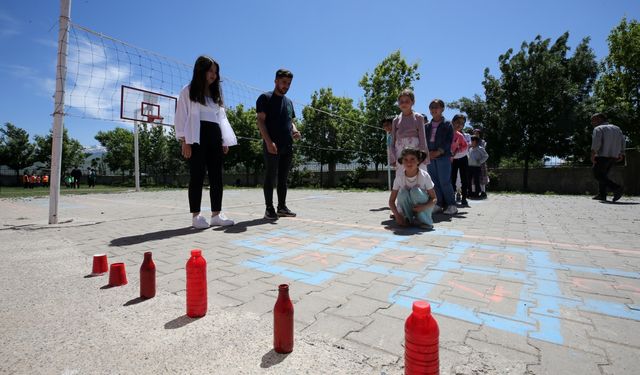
pixel 199 81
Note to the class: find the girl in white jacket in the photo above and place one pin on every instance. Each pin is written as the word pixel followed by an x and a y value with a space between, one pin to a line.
pixel 205 136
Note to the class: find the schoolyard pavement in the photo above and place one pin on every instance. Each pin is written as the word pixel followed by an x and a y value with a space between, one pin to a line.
pixel 520 284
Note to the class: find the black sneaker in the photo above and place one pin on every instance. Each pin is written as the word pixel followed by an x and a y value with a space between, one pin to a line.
pixel 599 198
pixel 617 195
pixel 270 214
pixel 285 212
pixel 483 195
pixel 464 202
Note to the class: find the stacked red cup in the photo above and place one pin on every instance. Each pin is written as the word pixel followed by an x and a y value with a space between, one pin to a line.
pixel 100 264
pixel 117 275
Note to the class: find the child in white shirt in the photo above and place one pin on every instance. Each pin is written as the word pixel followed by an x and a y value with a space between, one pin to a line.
pixel 413 190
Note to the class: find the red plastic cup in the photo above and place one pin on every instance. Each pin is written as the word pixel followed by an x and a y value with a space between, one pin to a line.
pixel 100 264
pixel 117 275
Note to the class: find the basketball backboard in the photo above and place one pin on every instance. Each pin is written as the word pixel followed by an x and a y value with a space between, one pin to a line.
pixel 141 105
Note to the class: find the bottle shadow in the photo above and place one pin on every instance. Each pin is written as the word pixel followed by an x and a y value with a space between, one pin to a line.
pixel 271 358
pixel 179 322
pixel 135 301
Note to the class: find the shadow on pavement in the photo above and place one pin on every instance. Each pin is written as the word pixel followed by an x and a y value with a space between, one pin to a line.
pixel 179 322
pixel 153 236
pixel 91 275
pixel 621 203
pixel 403 231
pixel 439 217
pixel 135 301
pixel 272 358
pixel 243 225
pixel 380 209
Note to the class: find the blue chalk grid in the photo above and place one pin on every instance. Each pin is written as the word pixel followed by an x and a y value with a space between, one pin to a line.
pixel 538 307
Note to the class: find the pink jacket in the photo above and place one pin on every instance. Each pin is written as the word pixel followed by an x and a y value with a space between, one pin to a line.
pixel 459 146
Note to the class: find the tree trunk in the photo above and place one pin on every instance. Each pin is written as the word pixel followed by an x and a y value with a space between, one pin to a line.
pixel 525 175
pixel 332 175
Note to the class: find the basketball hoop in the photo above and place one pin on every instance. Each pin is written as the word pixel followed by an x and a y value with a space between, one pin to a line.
pixel 153 118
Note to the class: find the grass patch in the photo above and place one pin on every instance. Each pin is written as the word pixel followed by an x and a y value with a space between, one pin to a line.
pixel 20 192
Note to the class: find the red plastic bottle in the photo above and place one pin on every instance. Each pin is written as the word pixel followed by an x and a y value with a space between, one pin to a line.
pixel 421 334
pixel 147 277
pixel 283 321
pixel 196 285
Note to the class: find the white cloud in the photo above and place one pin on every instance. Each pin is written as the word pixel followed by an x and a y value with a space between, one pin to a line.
pixel 31 78
pixel 47 42
pixel 10 26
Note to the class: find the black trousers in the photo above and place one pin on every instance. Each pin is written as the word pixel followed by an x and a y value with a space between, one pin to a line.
pixel 462 165
pixel 475 174
pixel 206 156
pixel 601 170
pixel 276 166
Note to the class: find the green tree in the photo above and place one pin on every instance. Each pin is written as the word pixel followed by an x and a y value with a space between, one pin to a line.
pixel 534 108
pixel 145 147
pixel 381 90
pixel 247 154
pixel 176 165
pixel 16 151
pixel 72 151
pixel 119 145
pixel 618 88
pixel 330 129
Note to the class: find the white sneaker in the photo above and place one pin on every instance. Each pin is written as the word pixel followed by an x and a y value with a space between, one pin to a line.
pixel 221 220
pixel 451 210
pixel 199 222
pixel 436 209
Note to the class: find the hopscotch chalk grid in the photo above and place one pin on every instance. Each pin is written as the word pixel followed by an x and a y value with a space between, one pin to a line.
pixel 535 311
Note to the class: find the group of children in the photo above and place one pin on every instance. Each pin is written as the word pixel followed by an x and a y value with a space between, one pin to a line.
pixel 430 157
pixel 29 180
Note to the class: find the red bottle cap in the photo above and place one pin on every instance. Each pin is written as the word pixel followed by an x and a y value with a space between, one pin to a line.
pixel 196 252
pixel 421 307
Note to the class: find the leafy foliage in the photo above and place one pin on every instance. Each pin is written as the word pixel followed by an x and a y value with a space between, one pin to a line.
pixel 16 151
pixel 618 88
pixel 381 90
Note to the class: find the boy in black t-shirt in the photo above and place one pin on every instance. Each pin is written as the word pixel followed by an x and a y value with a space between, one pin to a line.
pixel 275 121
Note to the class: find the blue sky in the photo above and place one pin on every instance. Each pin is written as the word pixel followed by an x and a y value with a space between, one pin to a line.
pixel 329 43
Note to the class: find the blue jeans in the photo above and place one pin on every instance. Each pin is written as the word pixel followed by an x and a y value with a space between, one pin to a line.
pixel 440 171
pixel 407 199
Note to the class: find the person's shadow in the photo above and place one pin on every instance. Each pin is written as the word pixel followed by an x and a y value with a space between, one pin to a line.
pixel 242 226
pixel 403 231
pixel 620 203
pixel 153 236
pixel 272 358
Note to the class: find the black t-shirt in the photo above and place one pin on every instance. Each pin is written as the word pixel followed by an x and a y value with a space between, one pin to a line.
pixel 279 118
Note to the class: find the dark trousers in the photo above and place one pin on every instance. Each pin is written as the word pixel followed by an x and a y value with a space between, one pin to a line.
pixel 462 165
pixel 276 166
pixel 206 156
pixel 601 170
pixel 474 178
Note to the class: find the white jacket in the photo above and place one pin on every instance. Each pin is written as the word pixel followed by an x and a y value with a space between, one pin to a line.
pixel 187 121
